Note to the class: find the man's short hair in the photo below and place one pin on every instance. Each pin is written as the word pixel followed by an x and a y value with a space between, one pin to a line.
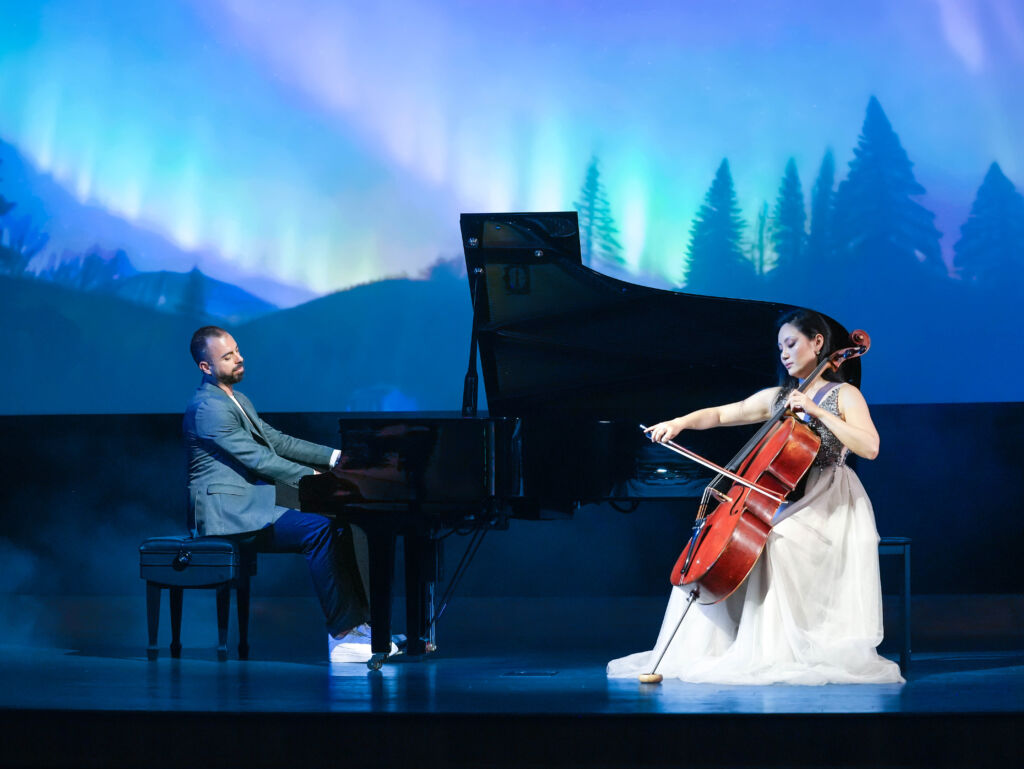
pixel 200 339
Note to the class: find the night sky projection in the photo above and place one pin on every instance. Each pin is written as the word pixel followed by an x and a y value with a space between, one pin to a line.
pixel 302 148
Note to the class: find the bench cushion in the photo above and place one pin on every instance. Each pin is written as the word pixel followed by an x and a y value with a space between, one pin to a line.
pixel 181 561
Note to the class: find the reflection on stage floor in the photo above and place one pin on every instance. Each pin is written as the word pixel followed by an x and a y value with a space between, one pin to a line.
pixel 490 697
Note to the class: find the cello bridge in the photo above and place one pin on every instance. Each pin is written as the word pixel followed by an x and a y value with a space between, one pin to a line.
pixel 724 498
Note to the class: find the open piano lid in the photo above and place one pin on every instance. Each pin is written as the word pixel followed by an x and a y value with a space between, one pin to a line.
pixel 558 338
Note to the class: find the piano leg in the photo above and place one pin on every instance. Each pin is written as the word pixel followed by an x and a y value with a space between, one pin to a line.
pixel 420 569
pixel 381 544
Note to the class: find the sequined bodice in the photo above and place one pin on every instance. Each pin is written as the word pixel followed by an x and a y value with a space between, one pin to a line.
pixel 832 452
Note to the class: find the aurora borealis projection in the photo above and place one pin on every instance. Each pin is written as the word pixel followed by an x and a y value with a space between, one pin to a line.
pixel 296 149
pixel 327 144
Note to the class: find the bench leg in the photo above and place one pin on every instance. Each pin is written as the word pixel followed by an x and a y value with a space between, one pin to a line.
pixel 242 596
pixel 223 613
pixel 175 594
pixel 152 617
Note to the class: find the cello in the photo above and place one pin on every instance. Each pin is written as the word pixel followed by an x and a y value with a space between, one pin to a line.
pixel 727 541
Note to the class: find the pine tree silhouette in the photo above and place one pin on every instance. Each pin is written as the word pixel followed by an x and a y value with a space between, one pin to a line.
pixel 598 242
pixel 715 263
pixel 8 256
pixel 820 245
pixel 990 251
pixel 193 298
pixel 789 239
pixel 881 233
pixel 759 255
pixel 20 240
pixel 5 204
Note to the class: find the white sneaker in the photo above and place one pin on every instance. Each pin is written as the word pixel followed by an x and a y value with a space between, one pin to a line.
pixel 354 646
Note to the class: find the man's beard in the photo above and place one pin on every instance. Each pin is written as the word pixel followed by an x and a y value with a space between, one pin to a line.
pixel 233 378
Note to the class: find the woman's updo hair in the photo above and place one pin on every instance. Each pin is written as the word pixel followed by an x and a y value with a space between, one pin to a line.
pixel 810 324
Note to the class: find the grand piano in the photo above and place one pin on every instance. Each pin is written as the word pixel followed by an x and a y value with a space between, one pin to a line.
pixel 572 362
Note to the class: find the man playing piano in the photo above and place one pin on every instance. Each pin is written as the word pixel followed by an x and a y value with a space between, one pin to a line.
pixel 234 461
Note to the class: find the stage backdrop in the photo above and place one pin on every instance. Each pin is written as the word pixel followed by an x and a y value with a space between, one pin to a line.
pixel 295 172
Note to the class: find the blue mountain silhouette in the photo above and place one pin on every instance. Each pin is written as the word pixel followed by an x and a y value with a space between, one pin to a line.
pixel 75 227
pixel 167 292
pixel 395 344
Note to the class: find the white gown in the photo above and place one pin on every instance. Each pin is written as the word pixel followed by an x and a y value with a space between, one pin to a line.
pixel 810 612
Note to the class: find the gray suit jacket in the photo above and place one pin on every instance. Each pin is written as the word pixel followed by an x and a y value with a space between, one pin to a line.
pixel 234 462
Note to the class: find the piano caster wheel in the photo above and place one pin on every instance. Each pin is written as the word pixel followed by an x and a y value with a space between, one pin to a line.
pixel 376 661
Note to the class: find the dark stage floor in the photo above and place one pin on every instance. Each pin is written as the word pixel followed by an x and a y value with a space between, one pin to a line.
pixel 527 704
pixel 524 682
pixel 539 708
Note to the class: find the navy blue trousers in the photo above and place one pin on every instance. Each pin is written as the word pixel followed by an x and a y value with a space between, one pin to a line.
pixel 331 557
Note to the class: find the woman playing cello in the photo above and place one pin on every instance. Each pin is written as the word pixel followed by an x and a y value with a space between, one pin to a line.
pixel 810 611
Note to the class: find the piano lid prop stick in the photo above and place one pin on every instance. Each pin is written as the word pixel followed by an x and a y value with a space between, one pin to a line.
pixel 654 677
pixel 672 446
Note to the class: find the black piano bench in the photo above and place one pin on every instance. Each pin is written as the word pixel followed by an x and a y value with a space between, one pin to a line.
pixel 901 546
pixel 180 562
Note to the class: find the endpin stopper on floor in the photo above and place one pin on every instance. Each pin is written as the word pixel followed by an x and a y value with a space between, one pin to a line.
pixel 654 677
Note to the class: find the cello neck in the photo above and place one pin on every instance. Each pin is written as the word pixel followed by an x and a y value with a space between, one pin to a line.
pixel 756 438
pixel 818 371
pixel 861 344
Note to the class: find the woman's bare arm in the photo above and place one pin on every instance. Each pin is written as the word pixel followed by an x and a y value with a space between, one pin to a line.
pixel 853 427
pixel 756 408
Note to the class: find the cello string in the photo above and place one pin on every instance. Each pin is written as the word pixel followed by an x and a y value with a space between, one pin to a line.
pixel 833 360
pixel 733 464
pixel 702 509
pixel 672 446
pixel 777 416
